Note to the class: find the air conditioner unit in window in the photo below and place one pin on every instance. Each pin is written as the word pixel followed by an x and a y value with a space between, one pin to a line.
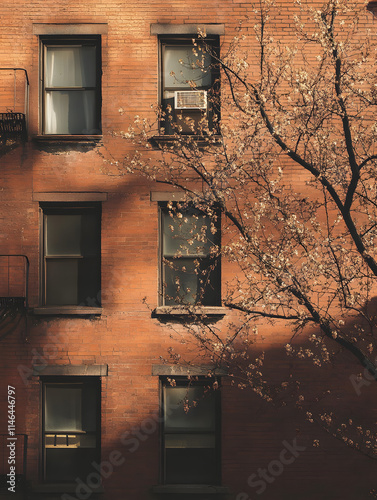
pixel 190 99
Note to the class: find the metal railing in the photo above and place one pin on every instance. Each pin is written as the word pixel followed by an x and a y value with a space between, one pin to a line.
pixel 8 287
pixel 14 291
pixel 15 113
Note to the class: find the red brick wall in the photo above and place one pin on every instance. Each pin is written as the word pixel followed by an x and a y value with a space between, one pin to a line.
pixel 125 336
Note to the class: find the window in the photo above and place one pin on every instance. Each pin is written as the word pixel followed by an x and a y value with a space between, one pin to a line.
pixel 190 267
pixel 191 431
pixel 189 85
pixel 71 254
pixel 71 424
pixel 71 75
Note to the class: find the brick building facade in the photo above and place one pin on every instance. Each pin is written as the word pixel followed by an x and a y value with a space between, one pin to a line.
pixel 84 357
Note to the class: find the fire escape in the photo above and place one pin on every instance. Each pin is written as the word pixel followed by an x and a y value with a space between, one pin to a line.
pixel 14 104
pixel 14 270
pixel 14 281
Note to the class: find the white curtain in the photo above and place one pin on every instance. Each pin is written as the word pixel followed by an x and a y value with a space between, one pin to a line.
pixel 68 110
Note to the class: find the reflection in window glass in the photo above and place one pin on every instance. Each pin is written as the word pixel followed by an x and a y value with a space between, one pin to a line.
pixel 187 235
pixel 190 261
pixel 182 66
pixel 201 413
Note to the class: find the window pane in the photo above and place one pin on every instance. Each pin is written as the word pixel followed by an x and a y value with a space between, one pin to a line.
pixel 91 234
pixel 63 234
pixel 73 234
pixel 70 463
pixel 63 409
pixel 181 67
pixel 70 112
pixel 198 418
pixel 89 279
pixel 190 466
pixel 62 282
pixel 70 66
pixel 190 440
pixel 180 282
pixel 191 281
pixel 189 235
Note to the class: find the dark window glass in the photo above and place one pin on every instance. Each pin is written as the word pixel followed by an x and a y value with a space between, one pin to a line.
pixel 71 253
pixel 71 86
pixel 190 257
pixel 63 408
pixel 190 434
pixel 62 282
pixel 70 427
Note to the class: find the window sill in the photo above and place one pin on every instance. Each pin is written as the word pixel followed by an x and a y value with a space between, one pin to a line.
pixel 191 489
pixel 189 311
pixel 61 488
pixel 160 141
pixel 67 138
pixel 67 311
